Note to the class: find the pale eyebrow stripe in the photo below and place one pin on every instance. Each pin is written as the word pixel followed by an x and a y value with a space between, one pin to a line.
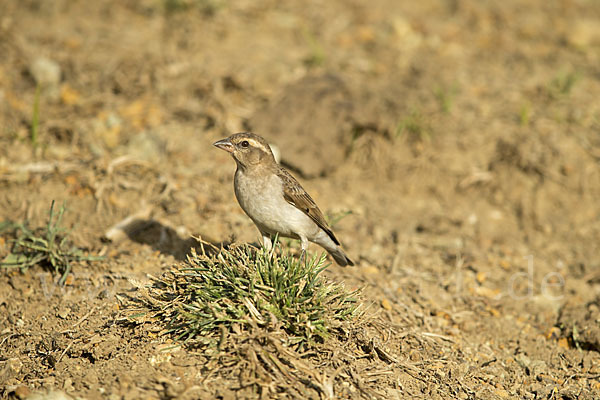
pixel 258 144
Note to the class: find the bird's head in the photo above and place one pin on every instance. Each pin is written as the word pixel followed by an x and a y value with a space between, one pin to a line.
pixel 247 149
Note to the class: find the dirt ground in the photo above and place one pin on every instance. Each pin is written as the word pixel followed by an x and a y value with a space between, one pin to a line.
pixel 462 136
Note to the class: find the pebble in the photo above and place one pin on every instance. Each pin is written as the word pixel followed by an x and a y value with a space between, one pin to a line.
pixel 63 313
pixel 22 392
pixel 52 395
pixel 523 360
pixel 46 73
pixel 385 303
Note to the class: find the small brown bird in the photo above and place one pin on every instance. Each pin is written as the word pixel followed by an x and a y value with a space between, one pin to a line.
pixel 274 199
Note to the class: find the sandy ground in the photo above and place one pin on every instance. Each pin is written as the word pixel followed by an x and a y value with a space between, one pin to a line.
pixel 462 137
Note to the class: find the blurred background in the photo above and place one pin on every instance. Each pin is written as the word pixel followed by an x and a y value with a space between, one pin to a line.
pixel 455 144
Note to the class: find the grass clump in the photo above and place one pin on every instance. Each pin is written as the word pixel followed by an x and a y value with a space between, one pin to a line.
pixel 206 7
pixel 47 246
pixel 414 127
pixel 563 84
pixel 445 96
pixel 525 114
pixel 316 56
pixel 237 289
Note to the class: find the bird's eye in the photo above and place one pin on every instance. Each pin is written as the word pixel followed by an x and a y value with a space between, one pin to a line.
pixel 245 143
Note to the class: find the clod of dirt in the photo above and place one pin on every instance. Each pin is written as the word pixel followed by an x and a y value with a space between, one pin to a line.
pixel 579 322
pixel 311 124
pixel 526 154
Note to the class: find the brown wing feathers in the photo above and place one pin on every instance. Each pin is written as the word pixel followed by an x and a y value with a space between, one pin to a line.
pixel 297 196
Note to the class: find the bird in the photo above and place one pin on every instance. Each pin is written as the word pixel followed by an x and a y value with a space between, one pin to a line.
pixel 273 198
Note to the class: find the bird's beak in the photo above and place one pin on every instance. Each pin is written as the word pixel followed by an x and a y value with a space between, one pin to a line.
pixel 224 144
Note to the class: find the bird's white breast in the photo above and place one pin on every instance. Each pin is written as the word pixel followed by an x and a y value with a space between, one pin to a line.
pixel 261 198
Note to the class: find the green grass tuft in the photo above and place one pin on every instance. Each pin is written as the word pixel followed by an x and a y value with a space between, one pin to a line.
pixel 562 84
pixel 316 56
pixel 48 246
pixel 206 7
pixel 445 96
pixel 525 114
pixel 224 291
pixel 333 219
pixel 414 127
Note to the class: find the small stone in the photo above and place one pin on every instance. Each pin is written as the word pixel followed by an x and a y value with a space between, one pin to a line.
pixel 63 313
pixel 70 280
pixel 146 145
pixel 68 384
pixel 22 392
pixel 52 395
pixel 68 95
pixel 108 127
pixel 385 303
pixel 538 368
pixel 9 369
pixel 46 73
pixel 523 360
pixel 481 277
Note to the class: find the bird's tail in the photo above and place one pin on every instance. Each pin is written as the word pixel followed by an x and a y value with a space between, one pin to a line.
pixel 333 248
pixel 340 257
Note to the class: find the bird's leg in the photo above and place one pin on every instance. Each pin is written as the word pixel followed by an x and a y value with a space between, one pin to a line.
pixel 267 244
pixel 304 247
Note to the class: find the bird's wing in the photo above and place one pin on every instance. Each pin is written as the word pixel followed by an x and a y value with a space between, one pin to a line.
pixel 297 196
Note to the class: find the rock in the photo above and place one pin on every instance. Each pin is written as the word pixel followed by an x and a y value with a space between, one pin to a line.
pixel 523 360
pixel 63 313
pixel 22 392
pixel 52 395
pixel 538 368
pixel 147 146
pixel 108 127
pixel 47 74
pixel 579 322
pixel 9 369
